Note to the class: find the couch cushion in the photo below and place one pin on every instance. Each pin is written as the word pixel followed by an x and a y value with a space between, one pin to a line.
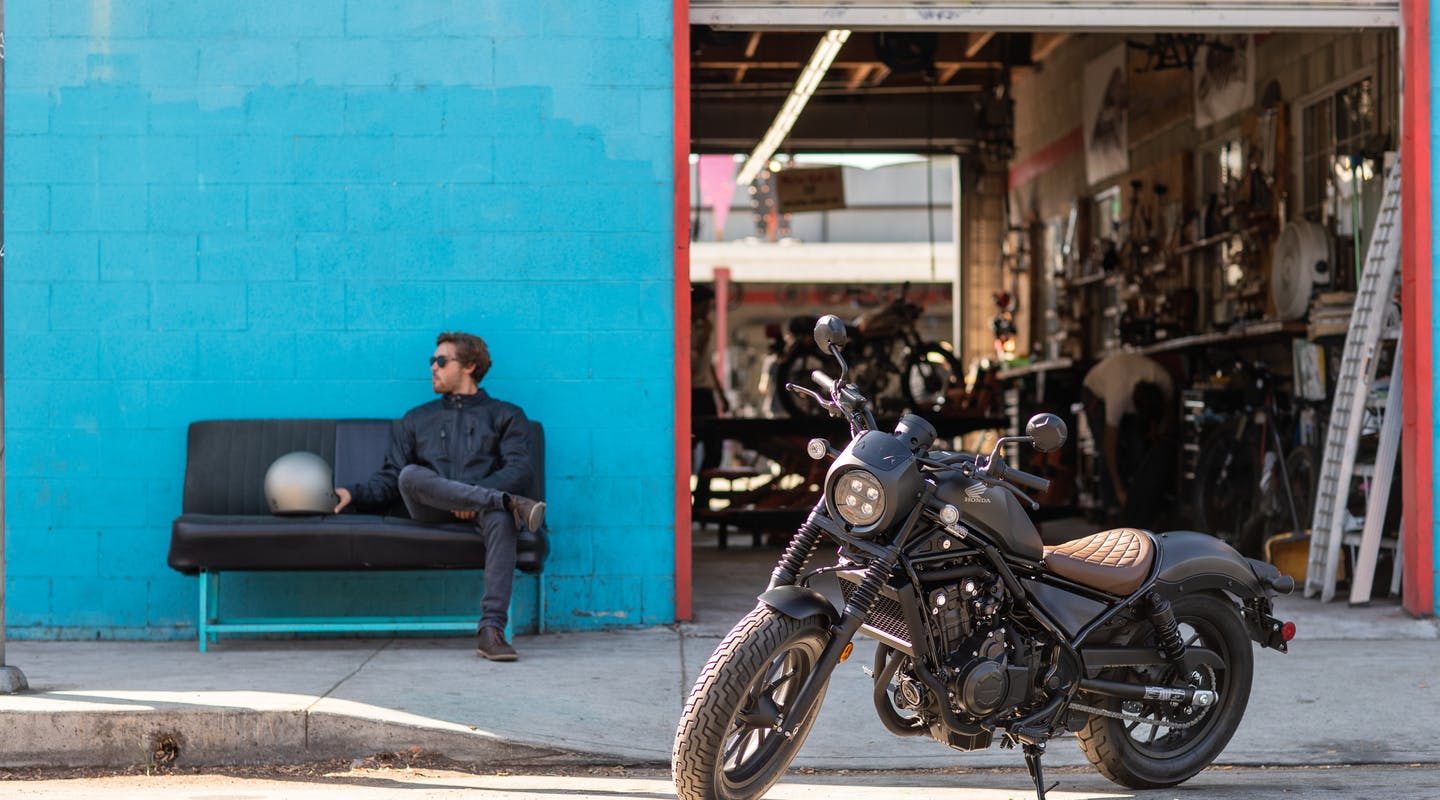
pixel 260 543
pixel 226 459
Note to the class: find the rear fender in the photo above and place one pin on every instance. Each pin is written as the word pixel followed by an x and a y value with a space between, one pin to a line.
pixel 799 602
pixel 1198 562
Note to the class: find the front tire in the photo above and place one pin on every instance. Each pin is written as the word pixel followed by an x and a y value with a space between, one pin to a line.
pixel 1153 755
pixel 726 747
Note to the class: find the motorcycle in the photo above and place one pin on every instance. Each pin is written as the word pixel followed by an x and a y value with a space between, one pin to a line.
pixel 895 367
pixel 1139 643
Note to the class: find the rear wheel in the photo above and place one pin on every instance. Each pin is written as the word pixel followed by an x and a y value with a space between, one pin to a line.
pixel 1226 480
pixel 796 369
pixel 727 746
pixel 1160 744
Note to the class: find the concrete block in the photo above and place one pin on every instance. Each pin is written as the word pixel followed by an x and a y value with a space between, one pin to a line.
pixel 284 19
pixel 591 19
pixel 209 111
pixel 79 503
pixel 139 355
pixel 498 307
pixel 198 306
pixel 631 354
pixel 451 60
pixel 332 159
pixel 247 159
pixel 377 358
pixel 171 603
pixel 27 20
pixel 143 453
pixel 53 553
pixel 27 600
pixel 249 62
pixel 622 60
pixel 249 355
pixel 163 495
pixel 123 405
pixel 389 111
pixel 96 208
pixel 392 306
pixel 148 159
pixel 149 256
pixel 105 305
pixel 30 307
pixel 48 256
pixel 406 207
pixel 84 19
pixel 297 110
pixel 49 63
pixel 397 18
pixel 134 553
pixel 302 307
pixel 178 19
pixel 170 63
pixel 27 111
pixel 27 208
pixel 247 256
pixel 347 62
pixel 54 159
pixel 447 159
pixel 99 110
pixel 326 256
pixel 296 207
pixel 540 61
pixel 78 601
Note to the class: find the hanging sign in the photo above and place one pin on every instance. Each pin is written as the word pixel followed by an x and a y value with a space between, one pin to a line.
pixel 810 189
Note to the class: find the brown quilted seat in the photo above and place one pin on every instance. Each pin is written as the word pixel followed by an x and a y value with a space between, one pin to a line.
pixel 1115 561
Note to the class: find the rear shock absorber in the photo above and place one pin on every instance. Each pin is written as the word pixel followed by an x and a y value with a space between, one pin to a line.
pixel 802 546
pixel 1162 616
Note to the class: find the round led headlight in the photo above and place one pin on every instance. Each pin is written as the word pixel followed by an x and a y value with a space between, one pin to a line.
pixel 858 498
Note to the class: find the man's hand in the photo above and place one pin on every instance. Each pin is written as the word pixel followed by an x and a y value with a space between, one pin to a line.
pixel 463 514
pixel 344 496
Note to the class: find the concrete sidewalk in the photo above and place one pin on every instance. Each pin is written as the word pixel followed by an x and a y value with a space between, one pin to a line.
pixel 1360 685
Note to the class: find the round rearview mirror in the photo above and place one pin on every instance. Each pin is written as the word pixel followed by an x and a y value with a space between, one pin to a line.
pixel 830 330
pixel 1048 432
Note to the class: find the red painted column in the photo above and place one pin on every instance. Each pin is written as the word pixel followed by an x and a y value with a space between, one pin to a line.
pixel 681 55
pixel 1418 435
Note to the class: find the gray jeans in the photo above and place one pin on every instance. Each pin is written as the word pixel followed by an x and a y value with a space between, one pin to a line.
pixel 431 498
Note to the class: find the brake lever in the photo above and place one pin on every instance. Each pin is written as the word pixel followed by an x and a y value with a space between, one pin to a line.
pixel 814 395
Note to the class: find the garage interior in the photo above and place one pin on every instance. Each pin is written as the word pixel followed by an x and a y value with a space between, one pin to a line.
pixel 1210 199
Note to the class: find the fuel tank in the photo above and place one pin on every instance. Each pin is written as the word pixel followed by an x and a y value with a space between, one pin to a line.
pixel 993 510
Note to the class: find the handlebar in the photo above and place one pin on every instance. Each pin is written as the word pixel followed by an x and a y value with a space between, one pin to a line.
pixel 825 382
pixel 999 470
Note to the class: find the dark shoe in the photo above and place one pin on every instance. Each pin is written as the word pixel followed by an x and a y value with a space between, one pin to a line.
pixel 528 513
pixel 493 645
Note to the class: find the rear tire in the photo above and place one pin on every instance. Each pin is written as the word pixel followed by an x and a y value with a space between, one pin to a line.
pixel 930 371
pixel 726 748
pixel 1152 756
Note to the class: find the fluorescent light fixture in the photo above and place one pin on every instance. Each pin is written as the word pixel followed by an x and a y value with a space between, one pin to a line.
pixel 810 78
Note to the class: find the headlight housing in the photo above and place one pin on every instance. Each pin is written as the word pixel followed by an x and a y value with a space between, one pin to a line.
pixel 858 497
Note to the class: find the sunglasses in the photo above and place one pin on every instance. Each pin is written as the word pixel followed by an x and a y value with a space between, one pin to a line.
pixel 441 361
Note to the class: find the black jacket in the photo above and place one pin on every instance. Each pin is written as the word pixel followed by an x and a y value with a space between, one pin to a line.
pixel 472 438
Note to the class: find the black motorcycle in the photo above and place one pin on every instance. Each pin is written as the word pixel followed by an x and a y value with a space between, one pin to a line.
pixel 1137 642
pixel 895 367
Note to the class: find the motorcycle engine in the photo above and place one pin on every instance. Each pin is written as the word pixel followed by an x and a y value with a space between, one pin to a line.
pixel 984 670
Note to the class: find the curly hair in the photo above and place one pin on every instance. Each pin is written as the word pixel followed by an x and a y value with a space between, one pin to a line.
pixel 469 350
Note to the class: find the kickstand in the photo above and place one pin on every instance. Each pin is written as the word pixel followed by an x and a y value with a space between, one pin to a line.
pixel 1032 763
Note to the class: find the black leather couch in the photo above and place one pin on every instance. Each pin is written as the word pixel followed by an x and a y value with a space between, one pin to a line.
pixel 224 525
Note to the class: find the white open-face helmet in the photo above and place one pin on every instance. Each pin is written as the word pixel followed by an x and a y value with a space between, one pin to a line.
pixel 300 483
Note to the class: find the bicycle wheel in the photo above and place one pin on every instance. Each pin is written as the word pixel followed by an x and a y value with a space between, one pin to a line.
pixel 1224 493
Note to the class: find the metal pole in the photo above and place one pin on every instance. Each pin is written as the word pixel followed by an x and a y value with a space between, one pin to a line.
pixel 11 678
pixel 957 289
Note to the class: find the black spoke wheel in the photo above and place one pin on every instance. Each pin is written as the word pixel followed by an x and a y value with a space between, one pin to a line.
pixel 728 745
pixel 1165 744
pixel 1225 487
pixel 930 371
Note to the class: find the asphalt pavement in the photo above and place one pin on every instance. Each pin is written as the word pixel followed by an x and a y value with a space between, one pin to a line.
pixel 1361 685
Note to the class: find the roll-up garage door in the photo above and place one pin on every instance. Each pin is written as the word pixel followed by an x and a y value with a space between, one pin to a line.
pixel 1032 15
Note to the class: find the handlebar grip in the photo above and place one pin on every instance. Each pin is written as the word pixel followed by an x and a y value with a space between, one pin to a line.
pixel 825 381
pixel 1034 483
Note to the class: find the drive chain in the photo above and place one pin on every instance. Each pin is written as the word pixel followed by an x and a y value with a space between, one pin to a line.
pixel 1137 718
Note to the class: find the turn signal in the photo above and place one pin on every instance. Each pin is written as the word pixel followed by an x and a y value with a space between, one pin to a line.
pixel 850 648
pixel 1287 631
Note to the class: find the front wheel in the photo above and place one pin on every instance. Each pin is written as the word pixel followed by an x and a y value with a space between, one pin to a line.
pixel 727 746
pixel 1158 744
pixel 930 371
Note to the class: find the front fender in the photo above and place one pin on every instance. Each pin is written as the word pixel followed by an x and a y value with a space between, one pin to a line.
pixel 799 602
pixel 1196 562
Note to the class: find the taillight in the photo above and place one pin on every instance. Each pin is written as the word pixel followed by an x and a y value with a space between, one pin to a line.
pixel 1287 631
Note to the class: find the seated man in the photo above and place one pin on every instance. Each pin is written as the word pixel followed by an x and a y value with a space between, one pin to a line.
pixel 462 456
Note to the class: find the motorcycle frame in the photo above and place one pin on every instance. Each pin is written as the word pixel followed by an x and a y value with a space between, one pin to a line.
pixel 796 599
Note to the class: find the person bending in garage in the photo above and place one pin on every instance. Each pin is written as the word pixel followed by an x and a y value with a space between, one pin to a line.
pixel 1128 404
pixel 465 456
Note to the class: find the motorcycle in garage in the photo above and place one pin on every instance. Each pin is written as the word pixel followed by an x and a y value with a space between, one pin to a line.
pixel 1139 643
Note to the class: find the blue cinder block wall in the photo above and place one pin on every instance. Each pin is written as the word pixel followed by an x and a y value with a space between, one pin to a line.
pixel 270 208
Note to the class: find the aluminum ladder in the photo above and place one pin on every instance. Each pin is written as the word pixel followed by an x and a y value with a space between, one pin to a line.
pixel 1378 284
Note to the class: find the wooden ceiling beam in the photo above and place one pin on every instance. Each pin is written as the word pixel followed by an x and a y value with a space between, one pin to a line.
pixel 1043 44
pixel 975 41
